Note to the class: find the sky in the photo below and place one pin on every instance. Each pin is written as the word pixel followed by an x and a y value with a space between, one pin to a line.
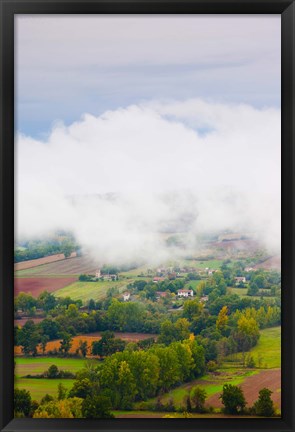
pixel 70 65
pixel 129 127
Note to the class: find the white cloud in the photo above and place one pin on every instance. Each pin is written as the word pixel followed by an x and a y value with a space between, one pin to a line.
pixel 161 170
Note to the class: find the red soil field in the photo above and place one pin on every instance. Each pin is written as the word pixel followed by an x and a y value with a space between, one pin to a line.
pixel 91 337
pixel 40 261
pixel 270 379
pixel 37 285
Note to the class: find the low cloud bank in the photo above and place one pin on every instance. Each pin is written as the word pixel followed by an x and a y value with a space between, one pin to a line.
pixel 122 180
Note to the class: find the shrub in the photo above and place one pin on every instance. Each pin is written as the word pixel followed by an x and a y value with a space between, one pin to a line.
pixel 264 405
pixel 233 399
pixel 198 398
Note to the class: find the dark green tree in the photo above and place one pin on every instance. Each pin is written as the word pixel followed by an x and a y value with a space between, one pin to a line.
pixel 97 407
pixel 198 397
pixel 52 371
pixel 29 338
pixel 91 305
pixel 22 401
pixel 264 405
pixel 233 399
pixel 65 343
pixel 82 348
pixel 107 345
pixel 81 388
pixel 47 301
pixel 43 343
pixel 61 392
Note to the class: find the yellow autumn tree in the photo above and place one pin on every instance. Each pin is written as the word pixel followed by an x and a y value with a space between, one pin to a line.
pixel 222 318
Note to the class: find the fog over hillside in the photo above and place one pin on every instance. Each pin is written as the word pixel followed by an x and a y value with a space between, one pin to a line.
pixel 120 179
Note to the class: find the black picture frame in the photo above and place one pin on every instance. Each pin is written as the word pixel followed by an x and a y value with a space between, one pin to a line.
pixel 9 8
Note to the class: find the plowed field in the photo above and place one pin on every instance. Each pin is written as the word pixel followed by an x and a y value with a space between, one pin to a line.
pixel 40 261
pixel 37 285
pixel 69 266
pixel 270 379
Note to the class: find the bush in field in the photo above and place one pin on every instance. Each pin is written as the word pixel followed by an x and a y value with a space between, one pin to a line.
pixel 52 371
pixel 233 399
pixel 211 366
pixel 198 398
pixel 187 403
pixel 249 361
pixel 264 405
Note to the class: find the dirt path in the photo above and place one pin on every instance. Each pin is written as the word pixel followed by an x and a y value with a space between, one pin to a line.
pixel 270 379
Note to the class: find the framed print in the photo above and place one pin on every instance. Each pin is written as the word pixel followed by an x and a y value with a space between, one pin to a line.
pixel 147 224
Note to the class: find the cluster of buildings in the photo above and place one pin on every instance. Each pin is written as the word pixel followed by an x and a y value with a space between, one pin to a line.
pixel 105 277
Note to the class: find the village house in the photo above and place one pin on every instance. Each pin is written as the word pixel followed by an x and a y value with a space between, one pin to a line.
pixel 204 299
pixel 126 296
pixel 98 273
pixel 185 293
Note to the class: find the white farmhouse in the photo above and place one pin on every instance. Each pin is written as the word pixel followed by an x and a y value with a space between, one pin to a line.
pixel 126 296
pixel 185 293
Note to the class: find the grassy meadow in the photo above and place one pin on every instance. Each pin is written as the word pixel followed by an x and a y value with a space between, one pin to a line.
pixel 39 387
pixel 91 290
pixel 268 349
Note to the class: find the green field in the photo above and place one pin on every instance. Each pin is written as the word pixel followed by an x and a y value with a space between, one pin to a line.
pixel 239 291
pixel 91 290
pixel 30 366
pixel 192 283
pixel 39 387
pixel 266 354
pixel 136 272
pixel 213 264
pixel 268 349
pixel 242 292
